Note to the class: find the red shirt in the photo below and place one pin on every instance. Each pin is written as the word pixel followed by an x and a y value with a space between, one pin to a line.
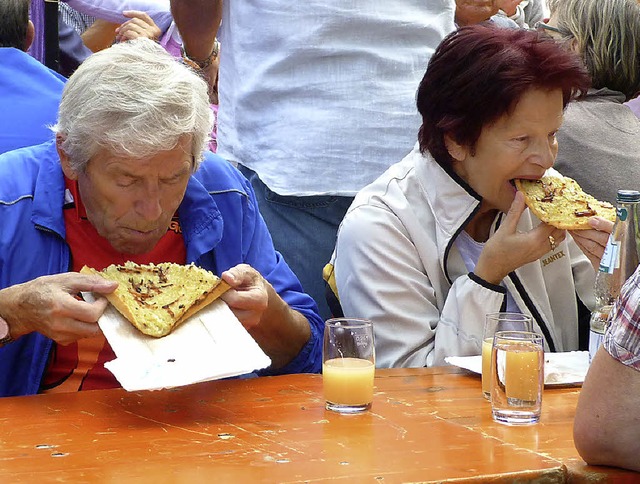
pixel 80 365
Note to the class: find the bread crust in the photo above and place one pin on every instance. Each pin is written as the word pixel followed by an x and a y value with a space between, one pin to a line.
pixel 559 201
pixel 158 298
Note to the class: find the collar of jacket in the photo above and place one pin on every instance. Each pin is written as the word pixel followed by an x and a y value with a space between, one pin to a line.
pixel 200 218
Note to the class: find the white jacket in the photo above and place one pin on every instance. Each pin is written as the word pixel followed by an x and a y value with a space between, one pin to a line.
pixel 396 263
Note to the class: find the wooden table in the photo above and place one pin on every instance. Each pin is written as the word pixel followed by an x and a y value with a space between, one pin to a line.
pixel 425 425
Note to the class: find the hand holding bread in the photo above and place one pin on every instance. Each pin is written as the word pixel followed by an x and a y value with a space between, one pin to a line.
pixel 559 201
pixel 49 305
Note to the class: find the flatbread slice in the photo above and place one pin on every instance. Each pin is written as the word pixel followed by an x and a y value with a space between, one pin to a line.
pixel 157 298
pixel 559 201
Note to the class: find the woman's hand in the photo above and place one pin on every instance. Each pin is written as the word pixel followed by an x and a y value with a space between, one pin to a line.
pixel 509 6
pixel 593 241
pixel 139 25
pixel 507 249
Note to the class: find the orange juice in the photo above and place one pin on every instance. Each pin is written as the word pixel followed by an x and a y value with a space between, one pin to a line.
pixel 486 366
pixel 522 372
pixel 517 373
pixel 348 381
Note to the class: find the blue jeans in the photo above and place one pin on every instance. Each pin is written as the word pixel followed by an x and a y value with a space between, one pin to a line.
pixel 304 231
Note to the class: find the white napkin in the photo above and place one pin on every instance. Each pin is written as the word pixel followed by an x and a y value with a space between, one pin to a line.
pixel 565 368
pixel 211 344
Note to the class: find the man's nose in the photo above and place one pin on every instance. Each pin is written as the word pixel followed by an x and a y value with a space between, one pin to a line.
pixel 148 204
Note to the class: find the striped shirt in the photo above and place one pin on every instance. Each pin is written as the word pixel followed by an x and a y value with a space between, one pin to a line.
pixel 622 338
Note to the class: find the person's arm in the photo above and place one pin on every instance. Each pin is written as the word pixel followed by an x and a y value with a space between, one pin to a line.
pixel 280 331
pixel 268 298
pixel 48 306
pixel 508 249
pixel 103 34
pixel 100 35
pixel 607 422
pixel 198 22
pixel 111 10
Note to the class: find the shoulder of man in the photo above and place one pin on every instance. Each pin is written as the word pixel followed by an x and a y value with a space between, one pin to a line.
pixel 218 175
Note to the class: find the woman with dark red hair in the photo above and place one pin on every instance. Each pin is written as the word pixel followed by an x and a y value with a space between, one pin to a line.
pixel 443 237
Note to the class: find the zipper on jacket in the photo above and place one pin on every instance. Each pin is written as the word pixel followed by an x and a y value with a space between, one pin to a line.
pixel 534 311
pixel 49 231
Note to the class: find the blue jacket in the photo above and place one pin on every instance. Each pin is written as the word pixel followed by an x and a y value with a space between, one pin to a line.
pixel 29 98
pixel 220 222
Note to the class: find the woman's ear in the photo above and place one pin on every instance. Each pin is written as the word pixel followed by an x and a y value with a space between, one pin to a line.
pixel 457 151
pixel 573 45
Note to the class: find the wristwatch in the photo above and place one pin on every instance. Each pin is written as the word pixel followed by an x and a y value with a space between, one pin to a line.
pixel 204 63
pixel 5 334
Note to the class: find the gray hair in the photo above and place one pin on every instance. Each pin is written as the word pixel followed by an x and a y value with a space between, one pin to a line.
pixel 552 5
pixel 607 35
pixel 135 100
pixel 13 27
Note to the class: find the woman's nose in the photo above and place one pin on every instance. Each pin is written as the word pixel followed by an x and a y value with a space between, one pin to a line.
pixel 546 152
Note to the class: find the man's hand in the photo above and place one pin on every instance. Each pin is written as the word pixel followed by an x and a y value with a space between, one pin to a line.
pixel 507 249
pixel 49 306
pixel 280 331
pixel 249 294
pixel 593 241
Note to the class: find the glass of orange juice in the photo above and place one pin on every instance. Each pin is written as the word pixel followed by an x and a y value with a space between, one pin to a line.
pixel 517 377
pixel 348 364
pixel 494 322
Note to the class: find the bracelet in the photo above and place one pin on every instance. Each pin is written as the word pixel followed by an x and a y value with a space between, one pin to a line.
pixel 201 64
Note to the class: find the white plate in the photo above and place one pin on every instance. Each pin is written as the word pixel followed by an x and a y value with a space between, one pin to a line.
pixel 567 368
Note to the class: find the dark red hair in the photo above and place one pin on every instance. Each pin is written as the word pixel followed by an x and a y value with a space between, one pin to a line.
pixel 479 73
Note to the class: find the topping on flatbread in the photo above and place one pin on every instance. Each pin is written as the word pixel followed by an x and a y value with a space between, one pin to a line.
pixel 559 201
pixel 157 298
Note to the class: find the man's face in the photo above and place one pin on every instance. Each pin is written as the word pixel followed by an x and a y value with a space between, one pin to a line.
pixel 131 201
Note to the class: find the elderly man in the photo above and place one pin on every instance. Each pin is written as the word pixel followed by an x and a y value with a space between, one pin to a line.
pixel 607 420
pixel 123 180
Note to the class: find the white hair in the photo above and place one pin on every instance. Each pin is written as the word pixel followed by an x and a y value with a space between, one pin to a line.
pixel 135 100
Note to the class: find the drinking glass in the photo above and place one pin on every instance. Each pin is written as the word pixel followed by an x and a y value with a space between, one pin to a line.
pixel 500 321
pixel 517 377
pixel 348 364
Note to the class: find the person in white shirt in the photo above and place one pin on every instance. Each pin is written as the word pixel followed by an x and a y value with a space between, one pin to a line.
pixel 316 101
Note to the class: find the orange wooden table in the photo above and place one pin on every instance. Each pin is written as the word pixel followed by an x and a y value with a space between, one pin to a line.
pixel 425 425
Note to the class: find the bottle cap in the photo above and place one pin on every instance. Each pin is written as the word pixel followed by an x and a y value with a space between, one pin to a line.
pixel 628 196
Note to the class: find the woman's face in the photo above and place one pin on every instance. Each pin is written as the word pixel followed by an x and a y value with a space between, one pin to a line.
pixel 521 144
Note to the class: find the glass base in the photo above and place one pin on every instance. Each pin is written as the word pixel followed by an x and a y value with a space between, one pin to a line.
pixel 340 408
pixel 515 417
